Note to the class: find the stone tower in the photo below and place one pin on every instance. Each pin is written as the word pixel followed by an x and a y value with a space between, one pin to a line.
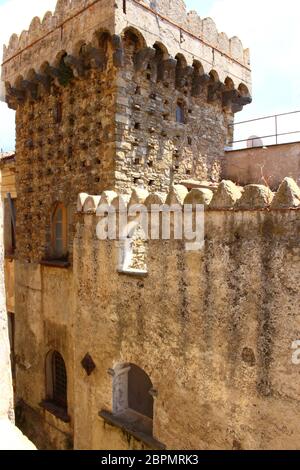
pixel 109 95
pixel 112 94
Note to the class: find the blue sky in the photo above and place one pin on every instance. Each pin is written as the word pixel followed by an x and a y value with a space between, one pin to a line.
pixel 269 28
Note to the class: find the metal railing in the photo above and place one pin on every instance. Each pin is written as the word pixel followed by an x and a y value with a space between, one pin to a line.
pixel 268 133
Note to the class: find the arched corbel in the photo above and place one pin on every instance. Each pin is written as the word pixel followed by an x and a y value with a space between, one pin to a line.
pixel 13 96
pixel 51 71
pixel 62 73
pixel 143 58
pixel 97 57
pixel 183 72
pixel 183 76
pixel 240 102
pixel 238 98
pixel 76 64
pixel 215 88
pixel 30 87
pixel 214 92
pixel 166 70
pixel 118 54
pixel 228 97
pixel 15 93
pixel 44 79
pixel 199 82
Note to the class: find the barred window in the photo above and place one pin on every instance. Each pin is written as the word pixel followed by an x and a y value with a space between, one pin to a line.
pixel 56 380
pixel 59 378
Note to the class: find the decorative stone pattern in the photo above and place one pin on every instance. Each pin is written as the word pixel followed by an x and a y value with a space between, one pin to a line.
pixel 228 196
pixel 288 193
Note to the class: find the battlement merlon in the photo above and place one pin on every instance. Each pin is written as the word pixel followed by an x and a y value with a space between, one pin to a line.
pixel 165 22
pixel 227 197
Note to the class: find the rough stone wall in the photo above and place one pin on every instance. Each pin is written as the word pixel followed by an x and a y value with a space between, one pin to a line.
pixel 45 316
pixel 56 159
pixel 66 28
pixel 213 329
pixel 76 117
pixel 203 28
pixel 153 150
pixel 6 391
pixel 115 127
pixel 10 436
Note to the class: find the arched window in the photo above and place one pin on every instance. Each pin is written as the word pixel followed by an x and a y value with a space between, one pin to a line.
pixel 59 232
pixel 56 380
pixel 133 397
pixel 180 118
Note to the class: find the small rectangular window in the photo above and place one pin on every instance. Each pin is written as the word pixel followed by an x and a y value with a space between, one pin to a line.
pixel 57 112
pixel 9 226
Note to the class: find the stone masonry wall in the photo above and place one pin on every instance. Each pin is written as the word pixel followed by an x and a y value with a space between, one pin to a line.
pixel 10 436
pixel 113 126
pixel 95 89
pixel 96 107
pixel 6 391
pixel 153 150
pixel 77 20
pixel 56 159
pixel 213 329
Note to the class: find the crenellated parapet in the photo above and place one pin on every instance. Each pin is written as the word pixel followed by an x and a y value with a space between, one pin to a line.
pixel 205 29
pixel 82 35
pixel 226 197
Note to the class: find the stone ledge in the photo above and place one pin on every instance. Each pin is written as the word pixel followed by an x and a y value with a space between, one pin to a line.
pixel 133 272
pixel 55 410
pixel 140 436
pixel 55 263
